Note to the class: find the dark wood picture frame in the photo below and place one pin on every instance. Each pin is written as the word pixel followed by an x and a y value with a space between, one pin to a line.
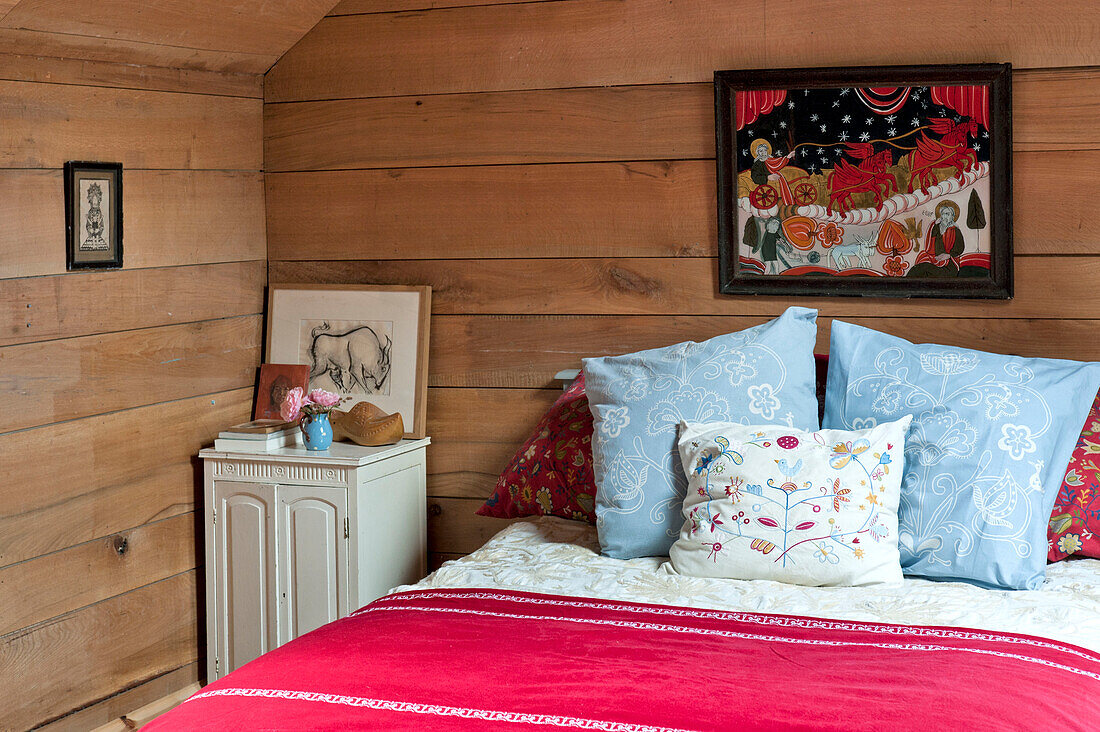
pixel 899 278
pixel 102 228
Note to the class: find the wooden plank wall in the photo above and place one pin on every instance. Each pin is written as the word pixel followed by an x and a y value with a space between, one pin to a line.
pixel 112 381
pixel 548 168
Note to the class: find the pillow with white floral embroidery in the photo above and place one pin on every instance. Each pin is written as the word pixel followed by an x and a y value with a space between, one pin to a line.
pixel 806 508
pixel 760 374
pixel 988 449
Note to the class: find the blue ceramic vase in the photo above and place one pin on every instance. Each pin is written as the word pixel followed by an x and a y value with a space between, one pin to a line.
pixel 316 431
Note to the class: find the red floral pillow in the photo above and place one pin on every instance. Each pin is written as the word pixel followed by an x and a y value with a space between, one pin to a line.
pixel 552 472
pixel 1075 522
pixel 821 365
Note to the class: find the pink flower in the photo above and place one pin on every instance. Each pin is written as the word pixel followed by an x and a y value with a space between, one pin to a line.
pixel 323 398
pixel 291 408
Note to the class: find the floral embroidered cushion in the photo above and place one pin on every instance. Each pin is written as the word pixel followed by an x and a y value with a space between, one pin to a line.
pixel 987 450
pixel 763 374
pixel 806 508
pixel 1075 521
pixel 551 474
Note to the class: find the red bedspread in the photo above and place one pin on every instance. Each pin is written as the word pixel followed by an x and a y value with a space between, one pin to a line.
pixel 484 659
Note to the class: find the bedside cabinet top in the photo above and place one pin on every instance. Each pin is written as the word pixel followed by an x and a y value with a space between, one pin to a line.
pixel 340 453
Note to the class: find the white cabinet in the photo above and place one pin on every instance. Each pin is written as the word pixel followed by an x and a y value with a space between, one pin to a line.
pixel 296 539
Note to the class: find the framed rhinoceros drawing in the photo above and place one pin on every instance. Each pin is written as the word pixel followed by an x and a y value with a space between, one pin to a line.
pixel 889 181
pixel 364 342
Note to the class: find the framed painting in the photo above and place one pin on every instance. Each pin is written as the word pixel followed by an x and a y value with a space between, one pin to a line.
pixel 276 381
pixel 363 342
pixel 93 215
pixel 889 181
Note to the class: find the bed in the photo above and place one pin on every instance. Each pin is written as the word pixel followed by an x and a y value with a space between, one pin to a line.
pixel 559 624
pixel 537 630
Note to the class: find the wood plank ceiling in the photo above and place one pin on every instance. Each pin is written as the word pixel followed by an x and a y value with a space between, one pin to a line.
pixel 245 36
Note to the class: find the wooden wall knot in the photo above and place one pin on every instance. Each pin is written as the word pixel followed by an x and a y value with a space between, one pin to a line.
pixel 658 170
pixel 120 544
pixel 695 249
pixel 628 281
pixel 435 509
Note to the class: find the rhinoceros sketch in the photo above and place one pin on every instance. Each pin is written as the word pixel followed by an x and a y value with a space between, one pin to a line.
pixel 355 360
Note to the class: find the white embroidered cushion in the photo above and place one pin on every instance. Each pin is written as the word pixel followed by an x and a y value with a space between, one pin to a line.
pixel 807 508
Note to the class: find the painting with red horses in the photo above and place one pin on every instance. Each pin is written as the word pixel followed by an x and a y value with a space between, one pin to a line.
pixel 890 181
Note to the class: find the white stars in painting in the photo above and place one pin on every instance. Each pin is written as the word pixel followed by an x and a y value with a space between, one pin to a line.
pixel 891 118
pixel 745 152
pixel 822 128
pixel 805 151
pixel 846 118
pixel 812 168
pixel 864 136
pixel 775 134
pixel 977 147
pixel 790 104
pixel 843 136
pixel 813 118
pixel 836 151
pixel 915 122
pixel 782 125
pixel 844 91
pixel 836 102
pixel 891 132
pixel 868 121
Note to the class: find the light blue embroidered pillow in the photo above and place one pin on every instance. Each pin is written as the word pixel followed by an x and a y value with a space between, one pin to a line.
pixel 986 453
pixel 762 375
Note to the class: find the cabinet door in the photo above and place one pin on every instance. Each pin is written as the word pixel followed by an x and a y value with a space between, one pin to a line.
pixel 313 558
pixel 244 572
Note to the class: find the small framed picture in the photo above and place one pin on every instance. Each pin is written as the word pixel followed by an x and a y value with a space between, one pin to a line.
pixel 364 342
pixel 276 380
pixel 93 215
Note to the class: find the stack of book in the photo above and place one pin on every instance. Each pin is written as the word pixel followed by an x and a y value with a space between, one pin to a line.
pixel 259 435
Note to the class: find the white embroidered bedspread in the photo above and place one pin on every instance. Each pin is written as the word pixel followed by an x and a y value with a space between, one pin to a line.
pixel 556 556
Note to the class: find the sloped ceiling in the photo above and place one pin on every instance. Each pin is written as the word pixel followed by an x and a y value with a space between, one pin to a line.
pixel 236 36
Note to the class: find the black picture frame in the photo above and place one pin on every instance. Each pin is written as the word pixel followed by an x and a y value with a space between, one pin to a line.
pixel 739 275
pixel 93 236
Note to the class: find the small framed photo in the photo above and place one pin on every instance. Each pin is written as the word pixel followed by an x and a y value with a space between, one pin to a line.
pixel 891 181
pixel 276 380
pixel 364 342
pixel 93 215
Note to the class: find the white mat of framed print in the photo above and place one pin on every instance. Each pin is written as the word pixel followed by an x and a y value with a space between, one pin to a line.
pixel 364 342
